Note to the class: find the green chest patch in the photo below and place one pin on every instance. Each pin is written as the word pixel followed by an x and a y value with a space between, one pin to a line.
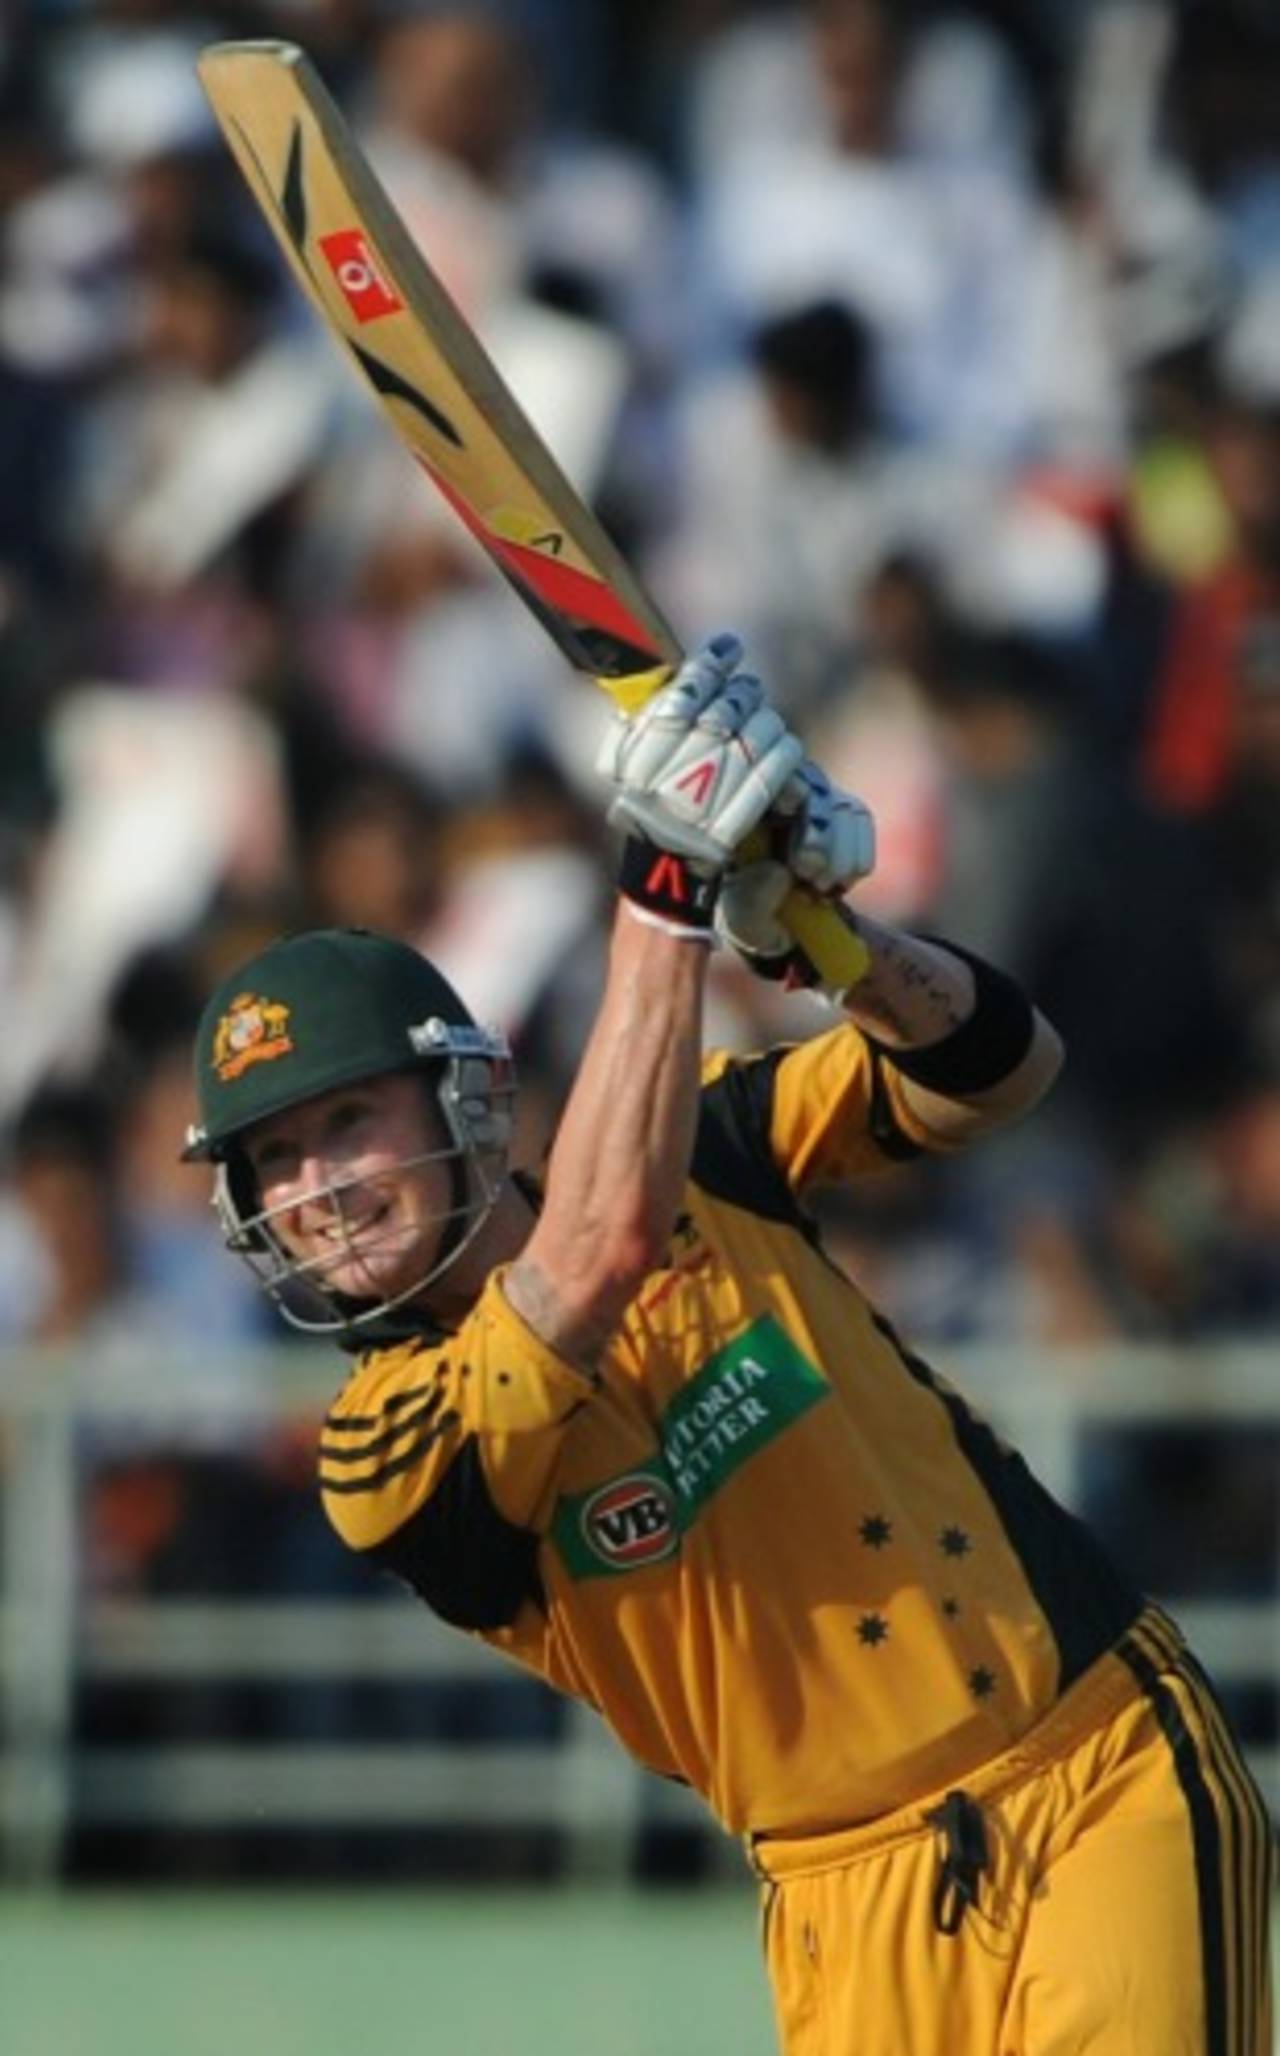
pixel 737 1403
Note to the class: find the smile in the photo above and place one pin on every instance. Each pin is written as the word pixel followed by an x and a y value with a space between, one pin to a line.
pixel 346 1234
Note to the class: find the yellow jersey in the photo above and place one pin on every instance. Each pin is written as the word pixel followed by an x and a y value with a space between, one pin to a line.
pixel 780 1556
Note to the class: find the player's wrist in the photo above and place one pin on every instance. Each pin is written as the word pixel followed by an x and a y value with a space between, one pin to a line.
pixel 668 890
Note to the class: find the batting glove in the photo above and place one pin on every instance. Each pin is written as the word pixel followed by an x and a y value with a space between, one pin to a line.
pixel 828 845
pixel 692 774
pixel 832 844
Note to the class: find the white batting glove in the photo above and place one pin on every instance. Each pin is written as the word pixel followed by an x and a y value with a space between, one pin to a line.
pixel 832 844
pixel 698 767
pixel 748 915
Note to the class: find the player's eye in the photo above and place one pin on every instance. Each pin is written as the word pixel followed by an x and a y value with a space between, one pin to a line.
pixel 273 1160
pixel 347 1115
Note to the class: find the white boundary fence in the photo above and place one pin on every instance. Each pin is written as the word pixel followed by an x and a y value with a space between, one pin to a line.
pixel 578 1783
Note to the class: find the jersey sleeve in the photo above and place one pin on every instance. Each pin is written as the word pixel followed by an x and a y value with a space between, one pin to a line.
pixel 438 1461
pixel 824 1111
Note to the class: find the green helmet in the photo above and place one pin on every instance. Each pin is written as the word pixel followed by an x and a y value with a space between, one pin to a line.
pixel 325 1009
pixel 310 1012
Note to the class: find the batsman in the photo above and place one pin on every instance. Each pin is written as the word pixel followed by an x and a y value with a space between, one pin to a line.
pixel 632 1426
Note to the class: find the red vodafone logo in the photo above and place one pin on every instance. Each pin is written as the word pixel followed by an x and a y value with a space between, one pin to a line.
pixel 355 268
pixel 631 1522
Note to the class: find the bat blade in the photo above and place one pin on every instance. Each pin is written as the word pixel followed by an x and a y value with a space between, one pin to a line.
pixel 369 282
pixel 376 291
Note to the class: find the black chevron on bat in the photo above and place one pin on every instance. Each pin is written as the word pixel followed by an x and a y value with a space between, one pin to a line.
pixel 292 208
pixel 293 200
pixel 390 384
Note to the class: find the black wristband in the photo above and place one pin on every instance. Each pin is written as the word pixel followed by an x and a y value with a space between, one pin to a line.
pixel 985 1048
pixel 666 885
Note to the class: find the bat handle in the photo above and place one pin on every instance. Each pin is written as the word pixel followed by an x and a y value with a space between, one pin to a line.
pixel 830 949
pixel 824 934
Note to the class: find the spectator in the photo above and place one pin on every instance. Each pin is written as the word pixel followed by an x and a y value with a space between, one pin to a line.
pixel 1194 1222
pixel 62 1181
pixel 369 856
pixel 186 462
pixel 1191 744
pixel 926 243
pixel 1244 830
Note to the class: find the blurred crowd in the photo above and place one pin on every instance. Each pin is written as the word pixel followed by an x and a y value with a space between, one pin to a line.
pixel 934 347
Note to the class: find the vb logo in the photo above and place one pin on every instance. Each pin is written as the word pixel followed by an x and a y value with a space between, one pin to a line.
pixel 631 1522
pixel 355 267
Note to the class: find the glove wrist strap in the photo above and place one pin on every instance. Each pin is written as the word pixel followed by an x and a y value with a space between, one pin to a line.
pixel 666 887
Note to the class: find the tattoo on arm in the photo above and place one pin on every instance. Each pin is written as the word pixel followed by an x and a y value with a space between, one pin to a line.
pixel 906 994
pixel 535 1298
pixel 874 1011
pixel 532 1294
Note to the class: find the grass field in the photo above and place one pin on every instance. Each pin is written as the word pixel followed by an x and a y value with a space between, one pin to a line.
pixel 610 1973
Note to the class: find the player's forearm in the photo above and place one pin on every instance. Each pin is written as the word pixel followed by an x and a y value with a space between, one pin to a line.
pixel 690 776
pixel 621 1154
pixel 912 992
pixel 982 1053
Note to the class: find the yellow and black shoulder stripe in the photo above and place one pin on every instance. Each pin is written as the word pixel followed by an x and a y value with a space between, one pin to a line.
pixel 361 1452
pixel 403 1482
pixel 386 1439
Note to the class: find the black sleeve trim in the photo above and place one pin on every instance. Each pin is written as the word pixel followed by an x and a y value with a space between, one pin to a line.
pixel 733 1156
pixel 885 1132
pixel 470 1564
pixel 985 1048
pixel 1085 1599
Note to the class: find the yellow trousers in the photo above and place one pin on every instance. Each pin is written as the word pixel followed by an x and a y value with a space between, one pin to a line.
pixel 1102 1889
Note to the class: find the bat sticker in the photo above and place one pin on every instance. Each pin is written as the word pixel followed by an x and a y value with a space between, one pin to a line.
pixel 355 268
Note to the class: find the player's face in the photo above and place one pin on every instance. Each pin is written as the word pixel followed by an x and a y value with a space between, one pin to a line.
pixel 353 1188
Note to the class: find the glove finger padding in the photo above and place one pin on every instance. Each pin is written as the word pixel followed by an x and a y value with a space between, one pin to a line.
pixel 728 712
pixel 700 766
pixel 668 751
pixel 759 763
pixel 637 746
pixel 833 839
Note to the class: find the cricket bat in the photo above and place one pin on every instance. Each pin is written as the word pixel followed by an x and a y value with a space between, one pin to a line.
pixel 370 283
